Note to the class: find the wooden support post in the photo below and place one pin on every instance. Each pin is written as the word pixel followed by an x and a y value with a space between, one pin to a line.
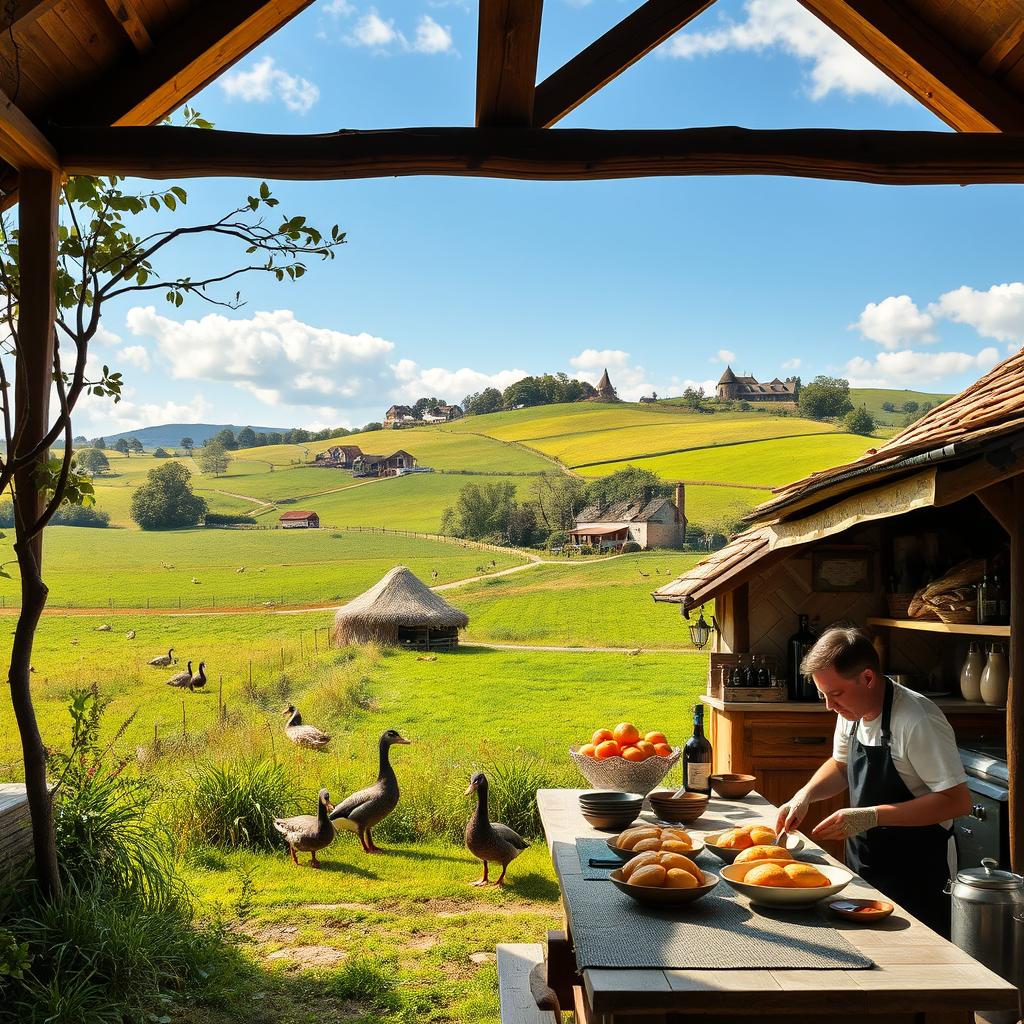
pixel 1015 696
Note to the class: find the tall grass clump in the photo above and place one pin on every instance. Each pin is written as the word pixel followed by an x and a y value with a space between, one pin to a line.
pixel 234 805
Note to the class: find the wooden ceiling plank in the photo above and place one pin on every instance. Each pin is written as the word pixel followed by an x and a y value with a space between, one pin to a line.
pixel 128 18
pixel 1006 51
pixel 186 57
pixel 607 57
pixel 22 144
pixel 550 154
pixel 23 13
pixel 916 57
pixel 508 39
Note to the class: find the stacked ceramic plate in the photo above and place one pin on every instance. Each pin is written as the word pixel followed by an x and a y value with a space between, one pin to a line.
pixel 684 808
pixel 610 811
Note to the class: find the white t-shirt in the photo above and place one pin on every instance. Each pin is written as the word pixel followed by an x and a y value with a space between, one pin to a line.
pixel 923 745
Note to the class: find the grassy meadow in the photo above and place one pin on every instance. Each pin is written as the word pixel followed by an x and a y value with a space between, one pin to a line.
pixel 874 398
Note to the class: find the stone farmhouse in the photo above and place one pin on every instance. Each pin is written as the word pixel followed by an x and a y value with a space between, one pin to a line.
pixel 747 389
pixel 658 523
pixel 341 456
pixel 383 465
pixel 399 416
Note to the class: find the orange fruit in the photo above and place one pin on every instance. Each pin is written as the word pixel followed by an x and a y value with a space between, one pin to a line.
pixel 587 750
pixel 601 735
pixel 662 750
pixel 648 748
pixel 656 738
pixel 608 748
pixel 626 733
pixel 634 754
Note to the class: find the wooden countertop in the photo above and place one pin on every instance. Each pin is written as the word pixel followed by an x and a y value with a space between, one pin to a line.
pixel 817 707
pixel 917 971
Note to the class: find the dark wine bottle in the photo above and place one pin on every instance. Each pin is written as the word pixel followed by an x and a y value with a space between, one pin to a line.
pixel 764 676
pixel 801 687
pixel 697 757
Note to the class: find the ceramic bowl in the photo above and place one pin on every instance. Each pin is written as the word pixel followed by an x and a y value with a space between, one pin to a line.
pixel 628 776
pixel 733 787
pixel 772 896
pixel 609 822
pixel 861 911
pixel 698 847
pixel 686 808
pixel 652 897
pixel 728 854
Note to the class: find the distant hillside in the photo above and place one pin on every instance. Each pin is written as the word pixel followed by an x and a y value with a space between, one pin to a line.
pixel 169 435
pixel 874 398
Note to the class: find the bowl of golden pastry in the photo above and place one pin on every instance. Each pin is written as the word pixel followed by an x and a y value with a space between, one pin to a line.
pixel 728 845
pixel 785 882
pixel 656 839
pixel 663 879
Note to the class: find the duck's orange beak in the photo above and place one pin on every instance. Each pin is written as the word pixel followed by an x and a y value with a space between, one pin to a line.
pixel 403 741
pixel 471 788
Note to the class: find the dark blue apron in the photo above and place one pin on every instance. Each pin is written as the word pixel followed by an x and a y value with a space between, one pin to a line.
pixel 908 864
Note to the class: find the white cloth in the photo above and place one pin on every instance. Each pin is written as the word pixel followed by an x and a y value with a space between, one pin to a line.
pixel 923 745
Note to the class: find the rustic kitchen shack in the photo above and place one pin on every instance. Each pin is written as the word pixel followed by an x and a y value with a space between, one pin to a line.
pixel 921 540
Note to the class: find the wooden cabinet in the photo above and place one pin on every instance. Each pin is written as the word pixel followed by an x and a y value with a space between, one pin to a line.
pixel 783 745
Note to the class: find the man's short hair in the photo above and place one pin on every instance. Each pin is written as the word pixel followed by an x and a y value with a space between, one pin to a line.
pixel 847 649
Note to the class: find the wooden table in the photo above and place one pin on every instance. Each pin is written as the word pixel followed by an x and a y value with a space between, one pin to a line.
pixel 919 977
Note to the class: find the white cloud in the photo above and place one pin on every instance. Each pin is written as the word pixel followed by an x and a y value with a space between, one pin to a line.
pixel 997 313
pixel 631 382
pixel 432 37
pixel 895 321
pixel 340 8
pixel 784 25
pixel 93 412
pixel 373 31
pixel 723 356
pixel 136 355
pixel 105 337
pixel 899 369
pixel 792 364
pixel 265 82
pixel 271 355
pixel 415 381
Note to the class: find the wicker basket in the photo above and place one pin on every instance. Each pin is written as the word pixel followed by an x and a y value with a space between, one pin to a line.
pixel 625 776
pixel 958 616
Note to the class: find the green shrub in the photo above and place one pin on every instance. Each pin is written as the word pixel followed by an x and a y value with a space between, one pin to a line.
pixel 235 805
pixel 364 979
pixel 859 421
pixel 227 519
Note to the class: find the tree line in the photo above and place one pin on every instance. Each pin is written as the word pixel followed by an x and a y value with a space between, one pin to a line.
pixel 546 389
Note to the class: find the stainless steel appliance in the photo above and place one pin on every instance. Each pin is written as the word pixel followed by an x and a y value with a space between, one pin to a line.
pixel 985 832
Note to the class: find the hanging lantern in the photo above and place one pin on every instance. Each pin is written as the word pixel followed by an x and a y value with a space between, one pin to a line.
pixel 700 631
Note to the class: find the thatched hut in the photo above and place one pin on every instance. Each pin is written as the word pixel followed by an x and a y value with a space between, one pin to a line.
pixel 401 611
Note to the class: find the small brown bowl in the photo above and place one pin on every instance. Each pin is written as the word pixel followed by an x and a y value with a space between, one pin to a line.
pixel 861 911
pixel 609 822
pixel 682 809
pixel 733 787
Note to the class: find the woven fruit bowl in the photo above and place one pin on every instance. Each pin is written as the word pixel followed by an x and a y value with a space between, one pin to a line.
pixel 622 775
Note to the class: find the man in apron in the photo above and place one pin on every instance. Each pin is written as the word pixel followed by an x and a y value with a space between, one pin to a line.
pixel 895 752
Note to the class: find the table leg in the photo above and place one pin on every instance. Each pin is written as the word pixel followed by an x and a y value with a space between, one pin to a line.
pixel 562 973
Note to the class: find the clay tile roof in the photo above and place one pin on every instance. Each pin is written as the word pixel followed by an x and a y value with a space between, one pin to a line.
pixel 728 377
pixel 296 515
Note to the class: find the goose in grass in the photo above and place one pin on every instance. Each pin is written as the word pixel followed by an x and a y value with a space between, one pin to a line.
pixel 490 841
pixel 370 806
pixel 307 833
pixel 301 734
pixel 163 660
pixel 182 678
pixel 199 678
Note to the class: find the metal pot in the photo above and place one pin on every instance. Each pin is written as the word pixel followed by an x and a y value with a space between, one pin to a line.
pixel 986 903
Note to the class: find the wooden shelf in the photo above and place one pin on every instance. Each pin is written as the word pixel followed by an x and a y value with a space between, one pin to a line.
pixel 966 629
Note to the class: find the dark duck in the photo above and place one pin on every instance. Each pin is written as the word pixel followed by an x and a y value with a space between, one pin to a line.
pixel 370 806
pixel 490 841
pixel 307 833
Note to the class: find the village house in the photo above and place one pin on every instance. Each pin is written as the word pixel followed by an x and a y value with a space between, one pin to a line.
pixel 399 416
pixel 658 523
pixel 747 389
pixel 443 414
pixel 383 465
pixel 300 521
pixel 605 391
pixel 340 456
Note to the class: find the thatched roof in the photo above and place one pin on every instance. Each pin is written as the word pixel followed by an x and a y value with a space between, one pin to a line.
pixel 401 599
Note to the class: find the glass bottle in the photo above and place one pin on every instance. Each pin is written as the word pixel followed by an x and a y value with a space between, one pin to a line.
pixel 697 757
pixel 800 687
pixel 970 673
pixel 1002 609
pixel 750 673
pixel 736 677
pixel 996 677
pixel 764 676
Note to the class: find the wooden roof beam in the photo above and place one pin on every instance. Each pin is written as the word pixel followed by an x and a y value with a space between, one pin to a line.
pixel 906 48
pixel 551 154
pixel 606 58
pixel 506 62
pixel 127 17
pixel 22 144
pixel 188 55
pixel 22 13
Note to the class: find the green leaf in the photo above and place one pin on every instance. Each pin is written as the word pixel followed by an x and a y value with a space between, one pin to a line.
pixel 264 190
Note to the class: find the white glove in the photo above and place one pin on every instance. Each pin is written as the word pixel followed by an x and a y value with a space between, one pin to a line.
pixel 847 822
pixel 792 812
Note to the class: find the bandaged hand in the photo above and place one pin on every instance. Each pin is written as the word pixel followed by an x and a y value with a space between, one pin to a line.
pixel 847 822
pixel 792 812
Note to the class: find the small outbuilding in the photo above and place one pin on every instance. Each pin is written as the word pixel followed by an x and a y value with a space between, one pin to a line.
pixel 300 521
pixel 401 611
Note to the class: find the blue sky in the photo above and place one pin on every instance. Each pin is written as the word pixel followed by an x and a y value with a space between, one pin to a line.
pixel 448 285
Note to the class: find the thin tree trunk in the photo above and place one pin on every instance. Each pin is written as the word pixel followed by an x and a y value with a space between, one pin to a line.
pixel 33 599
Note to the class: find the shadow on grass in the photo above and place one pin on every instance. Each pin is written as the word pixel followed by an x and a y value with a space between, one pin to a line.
pixel 533 886
pixel 426 855
pixel 339 867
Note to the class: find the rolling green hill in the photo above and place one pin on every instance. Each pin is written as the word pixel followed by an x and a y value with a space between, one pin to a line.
pixel 875 398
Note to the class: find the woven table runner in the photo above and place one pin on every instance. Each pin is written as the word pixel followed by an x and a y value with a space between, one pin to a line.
pixel 719 932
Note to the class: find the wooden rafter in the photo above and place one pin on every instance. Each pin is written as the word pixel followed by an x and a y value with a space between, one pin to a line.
pixel 22 13
pixel 551 154
pixel 127 17
pixel 1005 52
pixel 22 144
pixel 506 62
pixel 190 54
pixel 901 44
pixel 607 57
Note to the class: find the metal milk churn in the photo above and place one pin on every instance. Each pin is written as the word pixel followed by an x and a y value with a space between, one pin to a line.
pixel 986 904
